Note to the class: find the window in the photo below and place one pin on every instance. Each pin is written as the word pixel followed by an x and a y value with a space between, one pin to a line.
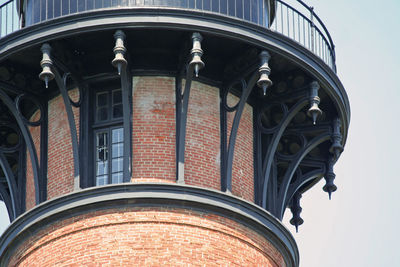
pixel 108 135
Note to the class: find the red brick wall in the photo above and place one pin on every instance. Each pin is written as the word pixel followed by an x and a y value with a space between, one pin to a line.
pixel 150 236
pixel 202 155
pixel 153 135
pixel 153 140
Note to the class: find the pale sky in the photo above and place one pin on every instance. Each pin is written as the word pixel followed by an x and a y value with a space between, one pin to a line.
pixel 359 226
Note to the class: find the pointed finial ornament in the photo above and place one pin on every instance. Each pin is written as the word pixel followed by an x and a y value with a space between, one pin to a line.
pixel 314 110
pixel 119 60
pixel 330 187
pixel 46 63
pixel 197 53
pixel 264 82
pixel 296 210
pixel 336 149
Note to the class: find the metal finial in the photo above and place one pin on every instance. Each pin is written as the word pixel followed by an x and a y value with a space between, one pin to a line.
pixel 296 210
pixel 119 60
pixel 264 82
pixel 314 110
pixel 336 149
pixel 330 187
pixel 197 53
pixel 46 63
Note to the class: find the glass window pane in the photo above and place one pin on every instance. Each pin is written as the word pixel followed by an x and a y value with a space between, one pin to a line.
pixel 98 3
pixel 102 114
pixel 199 4
pixel 206 5
pixel 102 168
pixel 73 6
pixel 223 6
pixel 116 178
pixel 117 111
pixel 36 11
pixel 102 180
pixel 101 100
pixel 81 5
pixel 117 96
pixel 65 7
pixel 215 5
pixel 246 9
pixel 117 165
pixel 117 150
pixel 239 8
pixel 231 7
pixel 254 8
pixel 43 10
pixel 50 9
pixel 102 139
pixel 118 135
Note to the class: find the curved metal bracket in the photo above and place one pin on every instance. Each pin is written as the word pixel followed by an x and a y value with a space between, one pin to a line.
pixel 12 185
pixel 192 69
pixel 28 141
pixel 234 130
pixel 314 174
pixel 280 208
pixel 268 160
pixel 71 120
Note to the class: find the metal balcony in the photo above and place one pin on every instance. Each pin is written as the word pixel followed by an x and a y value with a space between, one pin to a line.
pixel 292 18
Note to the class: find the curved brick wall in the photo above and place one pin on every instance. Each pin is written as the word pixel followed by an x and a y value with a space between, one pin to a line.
pixel 153 140
pixel 150 236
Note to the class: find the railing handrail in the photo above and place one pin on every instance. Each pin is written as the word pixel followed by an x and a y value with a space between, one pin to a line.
pixel 315 37
pixel 315 23
pixel 311 9
pixel 6 3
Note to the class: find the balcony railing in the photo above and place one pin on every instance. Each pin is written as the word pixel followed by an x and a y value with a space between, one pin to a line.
pixel 300 23
pixel 296 21
pixel 9 20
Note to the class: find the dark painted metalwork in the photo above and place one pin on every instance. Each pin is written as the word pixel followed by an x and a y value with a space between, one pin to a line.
pixel 303 25
pixel 12 186
pixel 256 11
pixel 279 177
pixel 121 64
pixel 49 72
pixel 187 20
pixel 283 189
pixel 296 210
pixel 13 108
pixel 192 68
pixel 277 133
pixel 9 19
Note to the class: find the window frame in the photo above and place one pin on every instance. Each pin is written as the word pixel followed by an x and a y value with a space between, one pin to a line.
pixel 90 127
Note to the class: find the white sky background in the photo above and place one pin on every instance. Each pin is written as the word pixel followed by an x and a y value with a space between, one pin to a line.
pixel 359 226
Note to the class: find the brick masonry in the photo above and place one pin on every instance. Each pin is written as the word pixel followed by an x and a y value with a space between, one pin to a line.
pixel 153 140
pixel 150 236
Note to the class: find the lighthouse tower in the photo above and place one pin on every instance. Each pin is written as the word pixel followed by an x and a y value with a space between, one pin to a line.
pixel 163 132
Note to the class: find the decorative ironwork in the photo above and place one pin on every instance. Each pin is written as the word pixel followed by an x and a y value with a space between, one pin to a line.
pixel 9 20
pixel 291 18
pixel 40 182
pixel 260 77
pixel 50 72
pixel 193 67
pixel 300 23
